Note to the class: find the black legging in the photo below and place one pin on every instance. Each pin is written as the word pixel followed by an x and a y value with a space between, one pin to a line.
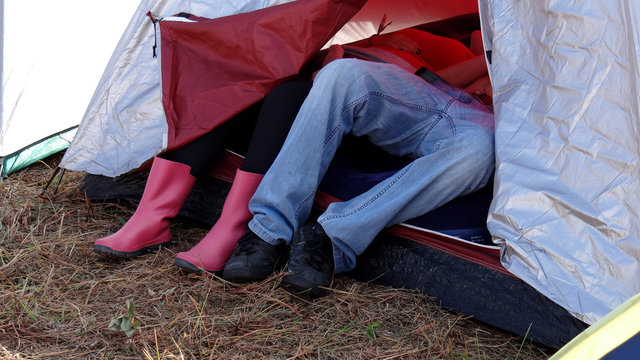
pixel 272 119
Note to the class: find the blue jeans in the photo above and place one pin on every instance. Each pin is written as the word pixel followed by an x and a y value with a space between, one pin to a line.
pixel 446 131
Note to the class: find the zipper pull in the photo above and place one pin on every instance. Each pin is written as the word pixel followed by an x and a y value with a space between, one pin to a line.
pixel 154 20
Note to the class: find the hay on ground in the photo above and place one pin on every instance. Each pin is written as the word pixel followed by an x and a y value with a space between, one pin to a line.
pixel 58 298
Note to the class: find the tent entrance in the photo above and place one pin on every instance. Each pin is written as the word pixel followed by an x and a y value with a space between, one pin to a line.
pixel 447 255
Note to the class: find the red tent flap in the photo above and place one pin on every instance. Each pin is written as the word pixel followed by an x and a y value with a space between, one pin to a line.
pixel 214 68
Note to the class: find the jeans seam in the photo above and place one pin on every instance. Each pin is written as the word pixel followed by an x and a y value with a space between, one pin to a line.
pixel 355 102
pixel 374 198
pixel 446 114
pixel 442 114
pixel 331 135
pixel 328 139
pixel 338 260
pixel 304 202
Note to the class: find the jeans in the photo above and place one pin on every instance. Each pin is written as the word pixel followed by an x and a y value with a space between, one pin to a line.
pixel 446 131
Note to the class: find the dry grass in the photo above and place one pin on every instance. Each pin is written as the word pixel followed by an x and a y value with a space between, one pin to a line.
pixel 57 298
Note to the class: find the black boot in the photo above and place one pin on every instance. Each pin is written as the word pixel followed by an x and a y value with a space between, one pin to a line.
pixel 310 261
pixel 252 260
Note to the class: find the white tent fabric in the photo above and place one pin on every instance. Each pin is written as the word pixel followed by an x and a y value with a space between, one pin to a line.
pixel 52 54
pixel 566 207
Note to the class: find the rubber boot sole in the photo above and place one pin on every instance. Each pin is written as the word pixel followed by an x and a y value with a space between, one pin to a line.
pixel 187 266
pixel 107 251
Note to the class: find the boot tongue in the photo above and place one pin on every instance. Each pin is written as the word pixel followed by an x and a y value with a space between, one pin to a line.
pixel 318 246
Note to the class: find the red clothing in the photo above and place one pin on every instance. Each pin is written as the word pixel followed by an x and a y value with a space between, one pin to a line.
pixel 438 51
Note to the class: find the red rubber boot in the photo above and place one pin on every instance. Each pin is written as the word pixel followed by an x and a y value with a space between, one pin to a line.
pixel 167 188
pixel 213 251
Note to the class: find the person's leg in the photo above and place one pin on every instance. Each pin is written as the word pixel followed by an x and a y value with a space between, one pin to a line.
pixel 460 165
pixel 167 187
pixel 202 153
pixel 274 121
pixel 170 181
pixel 396 110
pixel 276 114
pixel 454 156
pixel 392 107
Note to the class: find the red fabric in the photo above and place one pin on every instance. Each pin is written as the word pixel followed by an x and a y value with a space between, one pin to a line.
pixel 416 61
pixel 214 68
pixel 438 51
pixel 482 255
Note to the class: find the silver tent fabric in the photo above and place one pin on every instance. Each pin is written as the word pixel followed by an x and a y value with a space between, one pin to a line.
pixel 124 124
pixel 566 205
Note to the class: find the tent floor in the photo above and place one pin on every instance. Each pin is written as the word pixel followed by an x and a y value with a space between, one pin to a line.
pixel 490 296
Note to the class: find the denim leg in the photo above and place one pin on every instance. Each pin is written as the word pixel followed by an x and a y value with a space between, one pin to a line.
pixel 461 165
pixel 397 111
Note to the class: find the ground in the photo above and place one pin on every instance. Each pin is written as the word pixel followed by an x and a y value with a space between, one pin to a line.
pixel 59 300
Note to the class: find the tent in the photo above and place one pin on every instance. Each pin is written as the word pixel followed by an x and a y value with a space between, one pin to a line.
pixel 616 336
pixel 49 70
pixel 562 215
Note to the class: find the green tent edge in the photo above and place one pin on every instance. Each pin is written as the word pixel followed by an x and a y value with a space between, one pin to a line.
pixel 36 151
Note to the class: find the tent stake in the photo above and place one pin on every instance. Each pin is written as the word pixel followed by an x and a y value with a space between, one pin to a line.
pixel 51 181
